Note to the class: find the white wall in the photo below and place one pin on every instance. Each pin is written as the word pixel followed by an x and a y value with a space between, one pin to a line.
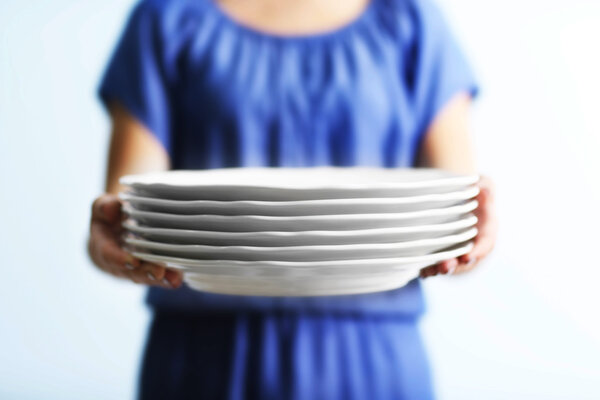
pixel 524 326
pixel 66 330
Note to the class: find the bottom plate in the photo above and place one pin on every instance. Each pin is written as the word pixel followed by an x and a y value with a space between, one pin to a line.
pixel 241 286
pixel 196 265
pixel 326 278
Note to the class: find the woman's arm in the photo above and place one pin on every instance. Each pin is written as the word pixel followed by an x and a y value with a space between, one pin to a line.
pixel 133 149
pixel 447 145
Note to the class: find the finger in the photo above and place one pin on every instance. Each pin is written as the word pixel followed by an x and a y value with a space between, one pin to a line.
pixel 149 274
pixel 109 251
pixel 483 244
pixel 465 267
pixel 429 271
pixel 107 208
pixel 487 226
pixel 114 254
pixel 143 278
pixel 174 278
pixel 483 247
pixel 425 272
pixel 447 266
pixel 483 206
pixel 115 271
pixel 134 277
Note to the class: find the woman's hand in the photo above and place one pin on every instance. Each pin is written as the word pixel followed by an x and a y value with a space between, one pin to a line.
pixel 487 225
pixel 104 247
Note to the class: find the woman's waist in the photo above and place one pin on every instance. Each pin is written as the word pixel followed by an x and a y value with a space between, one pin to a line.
pixel 405 301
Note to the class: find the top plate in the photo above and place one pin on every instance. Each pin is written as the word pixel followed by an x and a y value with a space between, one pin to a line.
pixel 303 207
pixel 273 184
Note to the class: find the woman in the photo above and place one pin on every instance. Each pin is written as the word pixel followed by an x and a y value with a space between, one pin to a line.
pixel 194 84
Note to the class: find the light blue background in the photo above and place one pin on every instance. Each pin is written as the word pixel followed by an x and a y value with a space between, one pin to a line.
pixel 524 326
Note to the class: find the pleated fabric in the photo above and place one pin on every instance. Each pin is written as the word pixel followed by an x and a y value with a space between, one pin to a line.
pixel 284 356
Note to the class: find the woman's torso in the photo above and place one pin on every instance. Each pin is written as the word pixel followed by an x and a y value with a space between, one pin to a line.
pixel 237 97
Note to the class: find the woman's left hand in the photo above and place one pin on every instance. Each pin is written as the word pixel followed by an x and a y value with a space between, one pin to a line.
pixel 487 226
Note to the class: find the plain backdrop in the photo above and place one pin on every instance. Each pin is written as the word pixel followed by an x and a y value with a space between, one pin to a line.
pixel 523 326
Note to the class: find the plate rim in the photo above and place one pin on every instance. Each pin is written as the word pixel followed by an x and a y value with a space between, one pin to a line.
pixel 183 263
pixel 469 192
pixel 460 237
pixel 450 179
pixel 452 210
pixel 470 220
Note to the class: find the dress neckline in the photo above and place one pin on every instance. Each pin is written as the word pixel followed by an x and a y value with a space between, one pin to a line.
pixel 317 36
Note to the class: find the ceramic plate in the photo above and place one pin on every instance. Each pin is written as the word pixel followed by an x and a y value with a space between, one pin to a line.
pixel 307 272
pixel 303 253
pixel 299 208
pixel 295 183
pixel 305 238
pixel 342 222
pixel 243 286
pixel 195 265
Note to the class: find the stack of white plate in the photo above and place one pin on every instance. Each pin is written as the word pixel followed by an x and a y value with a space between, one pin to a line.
pixel 299 231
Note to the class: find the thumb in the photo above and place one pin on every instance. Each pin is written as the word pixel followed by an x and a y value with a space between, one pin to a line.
pixel 107 208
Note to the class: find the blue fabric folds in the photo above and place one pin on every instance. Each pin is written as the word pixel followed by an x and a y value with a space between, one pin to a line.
pixel 284 356
pixel 219 94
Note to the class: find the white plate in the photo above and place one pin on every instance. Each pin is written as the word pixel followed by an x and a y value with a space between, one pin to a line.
pixel 305 238
pixel 307 272
pixel 296 183
pixel 254 223
pixel 298 291
pixel 299 287
pixel 187 264
pixel 303 253
pixel 303 207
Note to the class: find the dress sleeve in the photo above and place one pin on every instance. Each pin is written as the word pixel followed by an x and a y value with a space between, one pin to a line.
pixel 135 76
pixel 442 68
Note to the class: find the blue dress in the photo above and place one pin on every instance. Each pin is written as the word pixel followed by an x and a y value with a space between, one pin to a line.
pixel 217 93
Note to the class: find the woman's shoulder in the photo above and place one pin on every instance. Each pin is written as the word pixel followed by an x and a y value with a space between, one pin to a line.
pixel 420 22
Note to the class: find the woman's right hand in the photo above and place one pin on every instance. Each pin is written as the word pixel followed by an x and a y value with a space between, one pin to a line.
pixel 107 253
